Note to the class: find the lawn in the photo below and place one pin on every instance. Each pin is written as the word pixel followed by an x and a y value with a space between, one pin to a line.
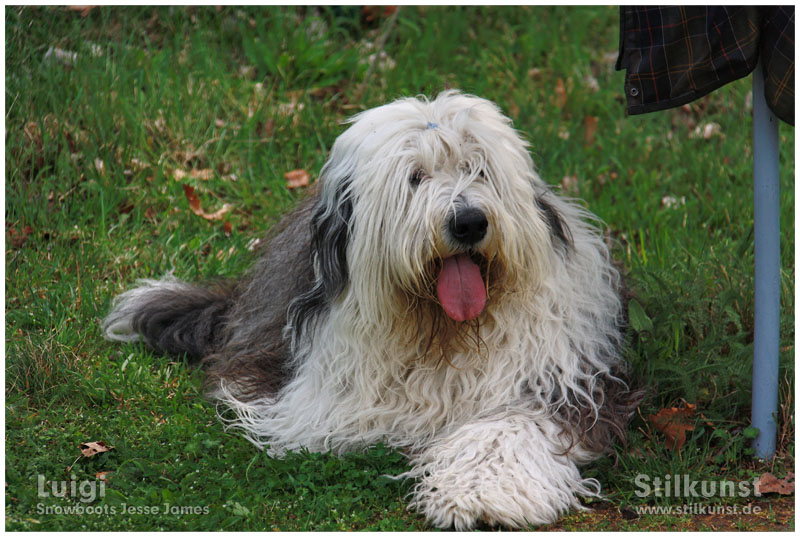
pixel 146 140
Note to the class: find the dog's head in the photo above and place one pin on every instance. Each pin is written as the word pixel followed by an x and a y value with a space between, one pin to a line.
pixel 432 206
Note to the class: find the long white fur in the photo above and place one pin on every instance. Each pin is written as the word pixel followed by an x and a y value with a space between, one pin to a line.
pixel 480 429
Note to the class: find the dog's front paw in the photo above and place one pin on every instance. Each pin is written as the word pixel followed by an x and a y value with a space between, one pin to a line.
pixel 446 511
pixel 494 505
pixel 506 472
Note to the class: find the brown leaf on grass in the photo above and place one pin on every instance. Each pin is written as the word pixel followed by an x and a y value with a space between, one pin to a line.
pixel 18 238
pixel 194 199
pixel 52 132
pixel 590 128
pixel 197 208
pixel 265 129
pixel 560 93
pixel 768 483
pixel 83 10
pixel 125 207
pixel 90 449
pixel 535 73
pixel 223 253
pixel 202 175
pixel 570 184
pixel 373 13
pixel 673 423
pixel 103 476
pixel 296 179
pixel 218 214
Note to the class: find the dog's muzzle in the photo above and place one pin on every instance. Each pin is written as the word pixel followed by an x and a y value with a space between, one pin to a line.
pixel 460 286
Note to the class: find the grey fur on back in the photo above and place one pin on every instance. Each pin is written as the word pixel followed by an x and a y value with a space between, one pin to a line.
pixel 235 328
pixel 259 315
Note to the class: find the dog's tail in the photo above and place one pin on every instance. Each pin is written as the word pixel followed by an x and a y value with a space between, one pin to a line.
pixel 172 316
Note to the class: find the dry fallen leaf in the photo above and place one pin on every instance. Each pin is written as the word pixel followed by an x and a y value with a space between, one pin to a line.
pixel 196 208
pixel 194 199
pixel 590 125
pixel 103 476
pixel 673 423
pixel 83 10
pixel 223 253
pixel 18 238
pixel 561 93
pixel 203 175
pixel 373 13
pixel 296 179
pixel 90 449
pixel 570 184
pixel 768 483
pixel 218 214
pixel 534 73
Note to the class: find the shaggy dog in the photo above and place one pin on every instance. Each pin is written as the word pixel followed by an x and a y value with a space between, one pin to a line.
pixel 432 294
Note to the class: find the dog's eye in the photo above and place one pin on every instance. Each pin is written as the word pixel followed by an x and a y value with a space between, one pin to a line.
pixel 416 177
pixel 481 173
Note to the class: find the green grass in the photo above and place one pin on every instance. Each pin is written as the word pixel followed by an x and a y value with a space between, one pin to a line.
pixel 92 203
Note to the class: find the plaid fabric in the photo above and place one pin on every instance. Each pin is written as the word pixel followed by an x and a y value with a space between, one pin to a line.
pixel 674 55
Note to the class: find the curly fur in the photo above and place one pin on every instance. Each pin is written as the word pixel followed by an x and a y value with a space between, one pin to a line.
pixel 350 346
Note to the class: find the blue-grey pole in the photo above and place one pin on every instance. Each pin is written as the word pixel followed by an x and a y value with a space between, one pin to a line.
pixel 767 270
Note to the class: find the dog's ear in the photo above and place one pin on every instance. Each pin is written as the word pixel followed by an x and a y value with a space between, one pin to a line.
pixel 555 221
pixel 330 236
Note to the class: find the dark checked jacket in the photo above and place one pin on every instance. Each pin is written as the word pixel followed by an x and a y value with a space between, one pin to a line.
pixel 674 55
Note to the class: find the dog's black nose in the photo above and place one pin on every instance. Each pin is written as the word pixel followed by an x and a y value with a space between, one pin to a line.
pixel 468 226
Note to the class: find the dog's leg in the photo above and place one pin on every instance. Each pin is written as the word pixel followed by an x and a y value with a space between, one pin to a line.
pixel 511 469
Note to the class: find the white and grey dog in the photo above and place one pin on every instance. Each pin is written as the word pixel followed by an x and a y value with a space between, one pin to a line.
pixel 433 294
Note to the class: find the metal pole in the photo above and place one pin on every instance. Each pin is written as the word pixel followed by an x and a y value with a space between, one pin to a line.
pixel 766 214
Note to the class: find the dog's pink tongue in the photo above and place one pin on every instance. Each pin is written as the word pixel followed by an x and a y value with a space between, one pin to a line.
pixel 460 288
